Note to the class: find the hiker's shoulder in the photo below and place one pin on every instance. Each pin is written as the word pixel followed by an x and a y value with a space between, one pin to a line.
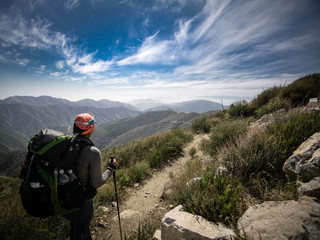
pixel 92 150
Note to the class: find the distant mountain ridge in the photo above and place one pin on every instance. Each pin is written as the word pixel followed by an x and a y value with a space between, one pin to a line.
pixel 49 101
pixel 22 116
pixel 198 106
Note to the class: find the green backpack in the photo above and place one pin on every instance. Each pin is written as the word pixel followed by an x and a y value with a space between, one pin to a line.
pixel 52 156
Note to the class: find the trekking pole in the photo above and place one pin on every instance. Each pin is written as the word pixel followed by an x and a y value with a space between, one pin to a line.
pixel 115 189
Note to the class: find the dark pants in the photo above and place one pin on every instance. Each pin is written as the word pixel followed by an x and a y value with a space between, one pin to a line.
pixel 80 222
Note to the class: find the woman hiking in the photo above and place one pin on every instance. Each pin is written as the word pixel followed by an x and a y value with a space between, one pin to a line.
pixel 90 175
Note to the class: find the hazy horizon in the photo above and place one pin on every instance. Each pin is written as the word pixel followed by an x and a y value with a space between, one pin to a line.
pixel 133 102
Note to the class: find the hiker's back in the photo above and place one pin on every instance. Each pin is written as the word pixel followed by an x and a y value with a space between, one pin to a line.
pixel 90 157
pixel 50 153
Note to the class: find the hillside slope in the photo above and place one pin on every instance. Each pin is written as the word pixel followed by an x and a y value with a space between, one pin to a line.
pixel 126 130
pixel 21 121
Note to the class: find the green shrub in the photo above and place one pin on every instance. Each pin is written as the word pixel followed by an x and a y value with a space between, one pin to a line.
pixel 300 91
pixel 223 133
pixel 265 97
pixel 274 105
pixel 222 115
pixel 240 109
pixel 247 156
pixel 155 158
pixel 201 125
pixel 106 194
pixel 156 150
pixel 192 151
pixel 144 231
pixel 257 160
pixel 159 155
pixel 139 172
pixel 271 188
pixel 215 199
pixel 292 130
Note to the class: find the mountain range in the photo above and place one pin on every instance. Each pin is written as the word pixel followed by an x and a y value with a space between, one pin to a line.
pixel 117 122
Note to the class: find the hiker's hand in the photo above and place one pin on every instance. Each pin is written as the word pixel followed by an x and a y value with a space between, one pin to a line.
pixel 113 164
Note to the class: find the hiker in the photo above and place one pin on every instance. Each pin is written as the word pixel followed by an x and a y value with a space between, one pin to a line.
pixel 90 175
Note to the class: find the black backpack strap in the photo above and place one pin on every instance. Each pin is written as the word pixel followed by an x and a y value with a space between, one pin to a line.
pixel 81 141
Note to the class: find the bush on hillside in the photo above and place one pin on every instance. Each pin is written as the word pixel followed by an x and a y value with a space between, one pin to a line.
pixel 274 105
pixel 295 94
pixel 201 125
pixel 240 109
pixel 300 91
pixel 223 133
pixel 159 155
pixel 221 115
pixel 265 97
pixel 247 156
pixel 155 150
pixel 106 194
pixel 292 130
pixel 129 176
pixel 266 153
pixel 214 198
pixel 145 231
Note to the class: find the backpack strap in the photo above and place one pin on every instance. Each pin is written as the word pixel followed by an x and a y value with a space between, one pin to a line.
pixel 81 141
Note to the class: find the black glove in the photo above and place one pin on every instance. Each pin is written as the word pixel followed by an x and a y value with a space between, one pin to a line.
pixel 110 164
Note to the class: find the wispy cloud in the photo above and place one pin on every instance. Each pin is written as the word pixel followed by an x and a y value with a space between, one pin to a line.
pixel 163 52
pixel 111 81
pixel 71 4
pixel 151 51
pixel 19 32
pixel 31 33
pixel 86 64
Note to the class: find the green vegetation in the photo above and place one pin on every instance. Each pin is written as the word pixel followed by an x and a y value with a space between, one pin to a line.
pixel 216 199
pixel 192 151
pixel 15 223
pixel 240 109
pixel 144 231
pixel 249 162
pixel 293 129
pixel 201 125
pixel 223 132
pixel 138 158
pixel 300 91
pixel 248 167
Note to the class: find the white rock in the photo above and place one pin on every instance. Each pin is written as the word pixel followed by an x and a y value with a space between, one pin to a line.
pixel 282 220
pixel 177 224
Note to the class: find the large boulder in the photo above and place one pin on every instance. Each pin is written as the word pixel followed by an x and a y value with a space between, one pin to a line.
pixel 304 164
pixel 293 220
pixel 177 224
pixel 311 188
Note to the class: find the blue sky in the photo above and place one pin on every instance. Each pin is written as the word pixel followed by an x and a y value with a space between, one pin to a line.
pixel 168 50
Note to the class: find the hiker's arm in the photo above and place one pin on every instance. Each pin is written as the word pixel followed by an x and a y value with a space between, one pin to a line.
pixel 97 176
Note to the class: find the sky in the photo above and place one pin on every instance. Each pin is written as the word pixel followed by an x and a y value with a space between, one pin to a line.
pixel 167 50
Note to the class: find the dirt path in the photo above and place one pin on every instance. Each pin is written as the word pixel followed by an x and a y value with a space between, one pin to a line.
pixel 144 203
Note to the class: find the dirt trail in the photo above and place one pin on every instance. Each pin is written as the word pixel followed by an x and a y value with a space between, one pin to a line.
pixel 144 203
